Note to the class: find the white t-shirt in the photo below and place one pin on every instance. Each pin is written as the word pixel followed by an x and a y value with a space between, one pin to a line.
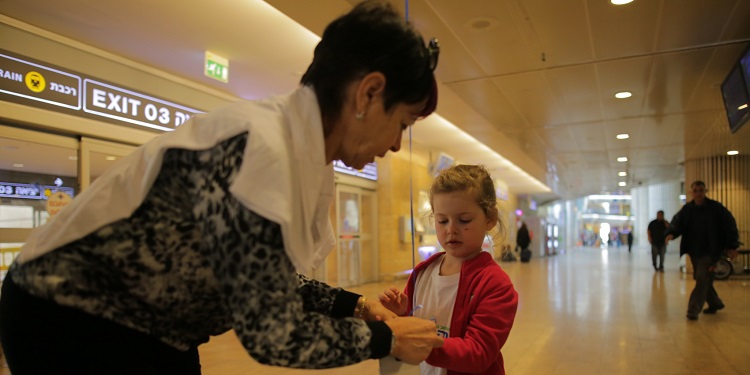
pixel 437 295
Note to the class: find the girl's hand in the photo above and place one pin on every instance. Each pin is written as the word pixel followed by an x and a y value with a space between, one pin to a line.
pixel 393 300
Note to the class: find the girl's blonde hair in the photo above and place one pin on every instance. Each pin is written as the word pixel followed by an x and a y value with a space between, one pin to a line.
pixel 477 181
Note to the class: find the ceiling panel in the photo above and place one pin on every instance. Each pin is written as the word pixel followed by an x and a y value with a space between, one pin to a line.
pixel 491 103
pixel 490 33
pixel 621 31
pixel 561 28
pixel 628 74
pixel 530 94
pixel 576 91
pixel 687 23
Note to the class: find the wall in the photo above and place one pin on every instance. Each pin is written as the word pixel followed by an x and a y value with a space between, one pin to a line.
pixel 727 179
pixel 396 172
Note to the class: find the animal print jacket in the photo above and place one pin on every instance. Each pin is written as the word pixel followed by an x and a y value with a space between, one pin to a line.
pixel 192 262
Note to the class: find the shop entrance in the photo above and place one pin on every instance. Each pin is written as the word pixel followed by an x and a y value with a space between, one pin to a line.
pixel 40 173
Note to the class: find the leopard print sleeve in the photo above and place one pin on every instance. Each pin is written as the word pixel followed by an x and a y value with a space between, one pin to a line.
pixel 316 295
pixel 266 298
pixel 259 286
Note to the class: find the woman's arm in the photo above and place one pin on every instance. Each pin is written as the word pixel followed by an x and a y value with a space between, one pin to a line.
pixel 261 291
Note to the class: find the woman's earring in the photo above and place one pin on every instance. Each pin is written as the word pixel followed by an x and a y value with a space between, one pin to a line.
pixel 359 115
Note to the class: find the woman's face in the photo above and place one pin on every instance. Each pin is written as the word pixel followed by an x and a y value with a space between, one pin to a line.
pixel 376 132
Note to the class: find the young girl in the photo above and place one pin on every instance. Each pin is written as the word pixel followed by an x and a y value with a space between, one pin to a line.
pixel 463 290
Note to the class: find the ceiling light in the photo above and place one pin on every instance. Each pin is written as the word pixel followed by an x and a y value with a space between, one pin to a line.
pixel 622 183
pixel 623 95
pixel 623 136
pixel 733 152
pixel 621 2
pixel 622 174
pixel 110 158
pixel 622 159
pixel 17 165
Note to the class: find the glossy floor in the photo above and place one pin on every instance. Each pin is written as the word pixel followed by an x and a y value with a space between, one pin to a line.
pixel 587 311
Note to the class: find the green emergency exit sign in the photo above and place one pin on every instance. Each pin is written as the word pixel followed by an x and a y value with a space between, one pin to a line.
pixel 217 67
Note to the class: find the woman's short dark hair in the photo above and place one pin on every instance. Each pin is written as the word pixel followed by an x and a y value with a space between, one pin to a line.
pixel 371 37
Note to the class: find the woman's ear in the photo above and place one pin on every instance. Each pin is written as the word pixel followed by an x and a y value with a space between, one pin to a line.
pixel 370 87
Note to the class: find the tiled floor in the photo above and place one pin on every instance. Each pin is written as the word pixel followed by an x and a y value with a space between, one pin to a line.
pixel 586 312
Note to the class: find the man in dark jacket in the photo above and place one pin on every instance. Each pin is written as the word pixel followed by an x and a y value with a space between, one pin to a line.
pixel 657 230
pixel 709 230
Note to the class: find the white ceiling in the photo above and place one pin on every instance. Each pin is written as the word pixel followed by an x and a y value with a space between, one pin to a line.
pixel 534 80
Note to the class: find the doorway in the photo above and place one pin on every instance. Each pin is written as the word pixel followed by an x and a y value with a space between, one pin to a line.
pixel 40 173
pixel 356 230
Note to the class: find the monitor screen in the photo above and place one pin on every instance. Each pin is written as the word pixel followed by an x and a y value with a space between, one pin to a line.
pixel 735 93
pixel 745 64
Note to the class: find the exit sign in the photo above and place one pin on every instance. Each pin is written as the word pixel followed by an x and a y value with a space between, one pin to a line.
pixel 217 67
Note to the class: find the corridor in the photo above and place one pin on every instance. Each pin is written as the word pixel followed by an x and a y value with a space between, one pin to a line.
pixel 587 311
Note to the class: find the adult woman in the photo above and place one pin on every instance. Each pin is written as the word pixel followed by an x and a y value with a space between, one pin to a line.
pixel 205 227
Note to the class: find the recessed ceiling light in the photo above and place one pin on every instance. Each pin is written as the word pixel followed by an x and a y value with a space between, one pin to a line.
pixel 622 159
pixel 623 95
pixel 623 136
pixel 17 165
pixel 622 183
pixel 110 158
pixel 622 174
pixel 733 152
pixel 481 24
pixel 621 2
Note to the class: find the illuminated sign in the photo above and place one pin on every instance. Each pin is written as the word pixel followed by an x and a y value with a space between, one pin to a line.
pixel 370 171
pixel 29 82
pixel 30 191
pixel 216 67
pixel 39 83
pixel 129 106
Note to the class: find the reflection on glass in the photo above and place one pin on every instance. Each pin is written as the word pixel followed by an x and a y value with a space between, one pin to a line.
pixel 30 173
pixel 349 212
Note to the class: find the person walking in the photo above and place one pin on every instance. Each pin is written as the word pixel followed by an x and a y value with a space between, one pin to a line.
pixel 630 240
pixel 709 230
pixel 657 232
pixel 523 240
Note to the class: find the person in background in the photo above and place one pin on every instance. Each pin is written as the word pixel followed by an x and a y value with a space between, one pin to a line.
pixel 709 231
pixel 523 240
pixel 462 289
pixel 212 227
pixel 657 233
pixel 630 240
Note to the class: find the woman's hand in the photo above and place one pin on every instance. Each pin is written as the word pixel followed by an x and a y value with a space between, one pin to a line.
pixel 376 311
pixel 415 339
pixel 392 299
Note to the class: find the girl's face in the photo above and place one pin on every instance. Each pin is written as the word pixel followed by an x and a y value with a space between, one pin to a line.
pixel 460 223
